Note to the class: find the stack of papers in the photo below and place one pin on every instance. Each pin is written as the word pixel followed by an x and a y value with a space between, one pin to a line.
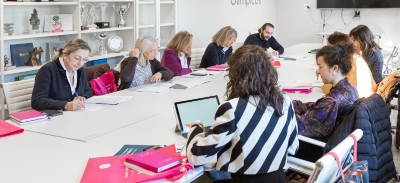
pixel 156 87
pixel 298 87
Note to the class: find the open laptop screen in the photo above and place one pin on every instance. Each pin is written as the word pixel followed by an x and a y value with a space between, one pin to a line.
pixel 201 109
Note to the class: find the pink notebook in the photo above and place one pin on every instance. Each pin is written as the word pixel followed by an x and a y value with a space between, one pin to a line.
pixel 305 90
pixel 111 169
pixel 153 160
pixel 218 68
pixel 7 129
pixel 29 115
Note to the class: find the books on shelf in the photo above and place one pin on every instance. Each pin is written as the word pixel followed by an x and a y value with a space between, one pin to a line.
pixel 7 129
pixel 218 68
pixel 28 117
pixel 154 160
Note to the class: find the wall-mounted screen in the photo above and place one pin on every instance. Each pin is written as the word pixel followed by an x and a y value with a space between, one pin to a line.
pixel 328 4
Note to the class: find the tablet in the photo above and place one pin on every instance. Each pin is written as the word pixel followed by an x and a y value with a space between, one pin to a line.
pixel 200 109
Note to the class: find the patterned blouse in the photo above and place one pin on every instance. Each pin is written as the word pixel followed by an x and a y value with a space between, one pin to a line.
pixel 318 119
pixel 142 74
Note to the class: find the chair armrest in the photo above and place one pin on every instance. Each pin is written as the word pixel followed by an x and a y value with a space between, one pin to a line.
pixel 311 141
pixel 299 165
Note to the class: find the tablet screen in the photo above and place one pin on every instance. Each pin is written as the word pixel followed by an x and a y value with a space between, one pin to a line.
pixel 202 109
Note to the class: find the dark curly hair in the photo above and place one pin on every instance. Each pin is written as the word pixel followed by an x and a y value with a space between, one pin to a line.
pixel 340 55
pixel 251 74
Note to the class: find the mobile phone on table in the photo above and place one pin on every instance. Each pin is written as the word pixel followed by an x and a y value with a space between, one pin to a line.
pixel 53 112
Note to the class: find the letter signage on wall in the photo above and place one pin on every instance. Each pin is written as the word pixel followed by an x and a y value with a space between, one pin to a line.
pixel 245 2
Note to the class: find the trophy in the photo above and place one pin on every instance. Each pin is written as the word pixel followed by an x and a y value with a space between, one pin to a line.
pixel 103 23
pixel 82 8
pixel 121 11
pixel 90 17
pixel 101 37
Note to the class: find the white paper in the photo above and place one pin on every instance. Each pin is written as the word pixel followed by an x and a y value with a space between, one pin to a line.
pixel 110 100
pixel 93 107
pixel 292 57
pixel 156 87
pixel 208 72
pixel 64 19
pixel 190 82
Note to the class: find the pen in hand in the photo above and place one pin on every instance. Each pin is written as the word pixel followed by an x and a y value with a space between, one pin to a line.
pixel 77 97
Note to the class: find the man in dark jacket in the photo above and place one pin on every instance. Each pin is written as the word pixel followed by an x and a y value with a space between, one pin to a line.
pixel 265 39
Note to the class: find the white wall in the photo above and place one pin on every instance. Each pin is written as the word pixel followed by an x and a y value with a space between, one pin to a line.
pixel 297 25
pixel 205 17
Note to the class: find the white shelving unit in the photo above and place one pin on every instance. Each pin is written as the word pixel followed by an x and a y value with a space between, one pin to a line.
pixel 162 18
pixel 158 19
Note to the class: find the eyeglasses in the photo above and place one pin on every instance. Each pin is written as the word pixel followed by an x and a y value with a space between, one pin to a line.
pixel 80 59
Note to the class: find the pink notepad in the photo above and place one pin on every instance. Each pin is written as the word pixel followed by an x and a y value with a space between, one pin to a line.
pixel 218 68
pixel 29 115
pixel 153 160
pixel 304 90
pixel 7 129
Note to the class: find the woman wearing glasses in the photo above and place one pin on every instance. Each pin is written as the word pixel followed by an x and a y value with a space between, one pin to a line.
pixel 142 67
pixel 62 84
pixel 177 54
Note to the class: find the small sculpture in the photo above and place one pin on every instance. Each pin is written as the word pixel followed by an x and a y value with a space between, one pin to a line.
pixel 34 20
pixel 7 68
pixel 57 24
pixel 40 51
pixel 33 60
pixel 82 8
pixel 5 60
pixel 121 10
pixel 9 29
pixel 90 17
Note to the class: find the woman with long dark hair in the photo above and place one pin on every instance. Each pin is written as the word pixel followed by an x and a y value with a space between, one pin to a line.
pixel 254 129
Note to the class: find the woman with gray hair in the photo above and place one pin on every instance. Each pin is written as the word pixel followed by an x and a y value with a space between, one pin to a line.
pixel 141 67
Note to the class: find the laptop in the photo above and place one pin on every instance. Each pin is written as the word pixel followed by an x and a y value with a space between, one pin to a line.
pixel 200 109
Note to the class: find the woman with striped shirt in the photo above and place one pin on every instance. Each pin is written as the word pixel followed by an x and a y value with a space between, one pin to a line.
pixel 255 129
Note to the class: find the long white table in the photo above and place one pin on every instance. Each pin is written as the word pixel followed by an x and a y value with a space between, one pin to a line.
pixel 147 119
pixel 83 126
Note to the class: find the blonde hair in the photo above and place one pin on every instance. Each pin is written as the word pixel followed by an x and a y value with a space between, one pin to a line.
pixel 180 41
pixel 72 46
pixel 224 35
pixel 144 43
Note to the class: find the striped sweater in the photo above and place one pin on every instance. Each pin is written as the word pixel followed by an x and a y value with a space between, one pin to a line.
pixel 245 139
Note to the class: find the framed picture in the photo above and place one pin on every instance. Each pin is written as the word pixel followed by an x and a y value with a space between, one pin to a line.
pixel 53 48
pixel 20 53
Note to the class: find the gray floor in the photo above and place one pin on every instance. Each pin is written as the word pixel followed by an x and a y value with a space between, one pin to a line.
pixel 396 153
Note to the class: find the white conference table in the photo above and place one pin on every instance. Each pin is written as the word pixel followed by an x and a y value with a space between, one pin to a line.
pixel 147 119
pixel 83 126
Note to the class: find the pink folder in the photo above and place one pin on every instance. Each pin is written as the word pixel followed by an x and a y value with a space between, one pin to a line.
pixel 7 129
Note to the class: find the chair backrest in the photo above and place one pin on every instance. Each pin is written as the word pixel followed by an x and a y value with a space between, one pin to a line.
pixel 253 32
pixel 390 63
pixel 197 54
pixel 18 95
pixel 236 45
pixel 326 168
